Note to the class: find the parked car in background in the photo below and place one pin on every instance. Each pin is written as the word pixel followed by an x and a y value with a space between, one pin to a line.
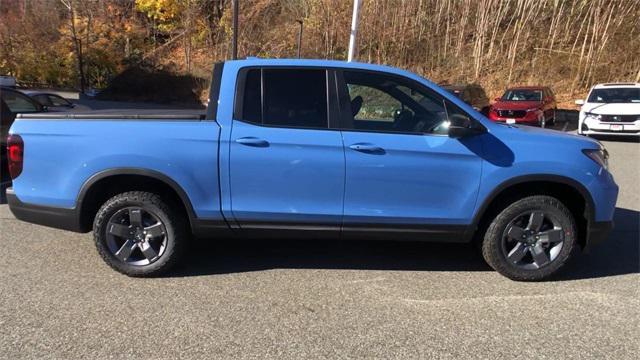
pixel 12 102
pixel 7 81
pixel 55 102
pixel 316 148
pixel 472 94
pixel 529 105
pixel 610 109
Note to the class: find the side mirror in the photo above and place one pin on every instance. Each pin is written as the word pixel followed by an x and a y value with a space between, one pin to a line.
pixel 461 126
pixel 580 102
pixel 496 99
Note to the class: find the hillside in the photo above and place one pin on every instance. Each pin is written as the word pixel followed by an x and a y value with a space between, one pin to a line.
pixel 567 44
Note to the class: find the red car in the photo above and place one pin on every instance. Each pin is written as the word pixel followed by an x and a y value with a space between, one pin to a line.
pixel 529 105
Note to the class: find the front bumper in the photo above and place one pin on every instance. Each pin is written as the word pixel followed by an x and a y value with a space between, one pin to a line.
pixel 595 127
pixel 529 119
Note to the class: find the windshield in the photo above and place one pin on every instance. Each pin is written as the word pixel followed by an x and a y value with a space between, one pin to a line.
pixel 615 95
pixel 522 95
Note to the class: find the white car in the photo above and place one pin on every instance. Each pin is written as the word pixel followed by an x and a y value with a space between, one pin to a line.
pixel 611 109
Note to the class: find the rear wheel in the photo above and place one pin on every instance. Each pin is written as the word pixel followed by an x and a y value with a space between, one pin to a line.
pixel 138 234
pixel 530 239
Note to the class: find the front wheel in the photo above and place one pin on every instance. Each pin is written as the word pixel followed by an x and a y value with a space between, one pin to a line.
pixel 138 234
pixel 531 239
pixel 542 122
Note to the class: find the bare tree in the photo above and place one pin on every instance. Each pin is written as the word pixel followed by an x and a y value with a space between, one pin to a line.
pixel 77 42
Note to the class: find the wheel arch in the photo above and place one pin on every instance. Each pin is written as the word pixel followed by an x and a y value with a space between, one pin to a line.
pixel 571 192
pixel 107 183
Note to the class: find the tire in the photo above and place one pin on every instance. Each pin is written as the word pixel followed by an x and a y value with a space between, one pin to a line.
pixel 542 122
pixel 139 235
pixel 554 241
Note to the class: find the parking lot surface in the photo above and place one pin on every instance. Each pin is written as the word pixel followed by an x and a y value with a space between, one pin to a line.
pixel 306 298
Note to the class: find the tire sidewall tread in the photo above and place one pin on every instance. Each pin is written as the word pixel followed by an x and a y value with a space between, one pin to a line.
pixel 177 234
pixel 492 242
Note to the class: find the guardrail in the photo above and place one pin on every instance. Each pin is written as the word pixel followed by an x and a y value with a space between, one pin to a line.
pixel 20 84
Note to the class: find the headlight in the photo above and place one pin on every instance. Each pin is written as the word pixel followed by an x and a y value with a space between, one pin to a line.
pixel 593 116
pixel 600 156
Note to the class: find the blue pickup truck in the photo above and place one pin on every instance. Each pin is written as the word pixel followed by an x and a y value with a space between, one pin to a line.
pixel 301 148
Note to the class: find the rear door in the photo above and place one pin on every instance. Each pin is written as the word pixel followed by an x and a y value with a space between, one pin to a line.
pixel 286 166
pixel 402 170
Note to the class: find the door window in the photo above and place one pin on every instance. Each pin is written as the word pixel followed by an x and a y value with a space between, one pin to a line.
pixel 392 104
pixel 373 104
pixel 17 102
pixel 58 101
pixel 43 99
pixel 295 98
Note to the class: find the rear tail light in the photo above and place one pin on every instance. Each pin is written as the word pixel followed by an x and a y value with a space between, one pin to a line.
pixel 15 155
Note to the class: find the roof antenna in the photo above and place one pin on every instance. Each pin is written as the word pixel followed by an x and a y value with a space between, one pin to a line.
pixel 354 29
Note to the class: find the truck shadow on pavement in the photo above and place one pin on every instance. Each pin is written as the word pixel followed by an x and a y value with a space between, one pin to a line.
pixel 619 255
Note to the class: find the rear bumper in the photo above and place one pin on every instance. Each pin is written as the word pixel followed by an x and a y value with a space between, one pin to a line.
pixel 597 232
pixel 59 218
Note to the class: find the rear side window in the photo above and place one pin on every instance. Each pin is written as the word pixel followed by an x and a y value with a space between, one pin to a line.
pixel 214 91
pixel 18 103
pixel 252 104
pixel 294 98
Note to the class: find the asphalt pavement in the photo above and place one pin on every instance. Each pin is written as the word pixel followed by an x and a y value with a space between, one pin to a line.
pixel 317 299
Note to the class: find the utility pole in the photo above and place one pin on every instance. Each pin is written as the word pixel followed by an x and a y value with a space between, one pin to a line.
pixel 299 37
pixel 234 45
pixel 354 29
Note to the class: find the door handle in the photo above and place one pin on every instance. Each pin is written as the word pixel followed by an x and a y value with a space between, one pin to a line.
pixel 367 148
pixel 252 141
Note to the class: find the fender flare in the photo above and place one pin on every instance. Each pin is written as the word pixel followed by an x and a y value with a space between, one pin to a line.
pixel 589 203
pixel 95 178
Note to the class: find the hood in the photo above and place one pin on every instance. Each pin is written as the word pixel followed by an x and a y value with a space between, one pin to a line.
pixel 612 109
pixel 516 105
pixel 541 136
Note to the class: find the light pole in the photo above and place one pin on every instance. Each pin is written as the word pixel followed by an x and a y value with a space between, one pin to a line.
pixel 234 45
pixel 354 29
pixel 299 37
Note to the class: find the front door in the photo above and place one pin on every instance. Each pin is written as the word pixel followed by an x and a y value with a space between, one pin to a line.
pixel 403 173
pixel 286 166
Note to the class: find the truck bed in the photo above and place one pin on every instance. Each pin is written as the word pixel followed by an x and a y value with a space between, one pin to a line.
pixel 121 114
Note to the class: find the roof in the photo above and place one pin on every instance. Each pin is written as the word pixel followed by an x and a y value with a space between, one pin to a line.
pixel 251 61
pixel 618 84
pixel 527 87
